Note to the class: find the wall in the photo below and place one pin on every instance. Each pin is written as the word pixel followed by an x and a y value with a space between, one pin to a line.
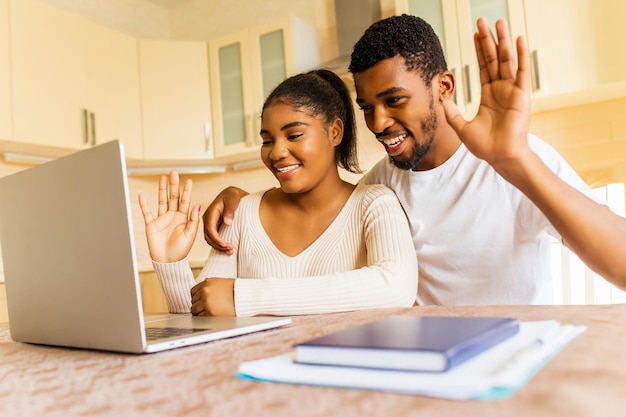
pixel 591 137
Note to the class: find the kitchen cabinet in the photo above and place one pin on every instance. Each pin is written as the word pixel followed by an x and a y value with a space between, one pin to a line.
pixel 6 131
pixel 573 44
pixel 175 99
pixel 245 67
pixel 75 84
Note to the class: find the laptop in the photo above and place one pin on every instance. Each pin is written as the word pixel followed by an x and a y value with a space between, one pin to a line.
pixel 70 264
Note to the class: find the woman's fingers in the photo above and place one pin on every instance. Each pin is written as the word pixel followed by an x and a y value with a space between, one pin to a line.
pixel 163 197
pixel 170 198
pixel 145 209
pixel 185 198
pixel 174 191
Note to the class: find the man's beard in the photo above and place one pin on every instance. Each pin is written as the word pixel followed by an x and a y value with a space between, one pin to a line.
pixel 419 151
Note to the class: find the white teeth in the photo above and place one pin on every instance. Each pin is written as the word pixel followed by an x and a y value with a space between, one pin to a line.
pixel 391 142
pixel 286 169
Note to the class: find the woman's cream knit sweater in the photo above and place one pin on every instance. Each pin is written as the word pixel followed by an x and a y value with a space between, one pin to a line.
pixel 364 259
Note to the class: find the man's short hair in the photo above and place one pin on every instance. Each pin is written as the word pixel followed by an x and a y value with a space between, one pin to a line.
pixel 411 37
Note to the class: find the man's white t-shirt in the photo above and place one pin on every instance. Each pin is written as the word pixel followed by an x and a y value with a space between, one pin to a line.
pixel 478 239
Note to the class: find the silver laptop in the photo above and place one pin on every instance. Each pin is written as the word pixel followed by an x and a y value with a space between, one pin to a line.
pixel 70 263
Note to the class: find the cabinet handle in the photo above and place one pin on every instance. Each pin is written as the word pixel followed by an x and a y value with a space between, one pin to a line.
pixel 466 82
pixel 92 116
pixel 208 140
pixel 85 126
pixel 537 78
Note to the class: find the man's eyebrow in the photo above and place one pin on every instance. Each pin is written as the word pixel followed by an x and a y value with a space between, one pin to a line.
pixel 287 126
pixel 387 92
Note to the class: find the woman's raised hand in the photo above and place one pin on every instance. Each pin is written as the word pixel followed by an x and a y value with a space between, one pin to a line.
pixel 172 233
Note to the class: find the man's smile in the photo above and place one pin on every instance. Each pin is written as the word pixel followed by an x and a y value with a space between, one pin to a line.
pixel 393 143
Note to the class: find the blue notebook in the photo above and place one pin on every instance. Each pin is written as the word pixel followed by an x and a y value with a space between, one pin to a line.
pixel 408 343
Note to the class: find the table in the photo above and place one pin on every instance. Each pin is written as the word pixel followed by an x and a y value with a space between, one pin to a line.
pixel 587 378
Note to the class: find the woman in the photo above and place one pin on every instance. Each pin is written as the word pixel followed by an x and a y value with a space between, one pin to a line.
pixel 316 244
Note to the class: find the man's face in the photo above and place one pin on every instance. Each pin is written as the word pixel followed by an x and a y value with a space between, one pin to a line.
pixel 399 109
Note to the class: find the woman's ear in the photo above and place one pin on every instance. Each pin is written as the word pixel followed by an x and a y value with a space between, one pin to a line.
pixel 336 132
pixel 446 84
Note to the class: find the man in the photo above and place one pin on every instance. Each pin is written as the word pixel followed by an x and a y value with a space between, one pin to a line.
pixel 482 197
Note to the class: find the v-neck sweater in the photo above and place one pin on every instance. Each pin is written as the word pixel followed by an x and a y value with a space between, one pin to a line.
pixel 364 259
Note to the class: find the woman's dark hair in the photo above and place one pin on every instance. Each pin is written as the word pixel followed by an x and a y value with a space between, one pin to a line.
pixel 322 92
pixel 408 36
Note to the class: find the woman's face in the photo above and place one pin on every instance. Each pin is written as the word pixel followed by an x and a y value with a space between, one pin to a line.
pixel 298 148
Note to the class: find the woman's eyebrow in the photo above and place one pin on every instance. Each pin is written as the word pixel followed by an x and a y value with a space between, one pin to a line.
pixel 293 124
pixel 287 126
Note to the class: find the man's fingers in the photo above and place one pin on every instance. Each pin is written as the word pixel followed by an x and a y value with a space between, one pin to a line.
pixel 496 58
pixel 522 79
pixel 212 222
pixel 486 52
pixel 453 115
pixel 506 57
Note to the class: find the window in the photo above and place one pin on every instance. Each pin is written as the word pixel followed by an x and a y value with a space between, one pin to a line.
pixel 573 282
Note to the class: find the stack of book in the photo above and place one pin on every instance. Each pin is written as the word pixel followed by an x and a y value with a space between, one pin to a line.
pixel 447 357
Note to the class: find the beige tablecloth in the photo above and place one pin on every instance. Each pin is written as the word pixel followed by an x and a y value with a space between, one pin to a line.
pixel 588 378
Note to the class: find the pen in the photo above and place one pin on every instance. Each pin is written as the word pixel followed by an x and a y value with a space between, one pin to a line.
pixel 517 356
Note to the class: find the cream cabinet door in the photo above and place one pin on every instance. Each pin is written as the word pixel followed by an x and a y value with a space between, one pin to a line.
pixel 245 67
pixel 282 48
pixel 235 96
pixel 175 100
pixel 568 43
pixel 49 80
pixel 75 83
pixel 113 92
pixel 6 125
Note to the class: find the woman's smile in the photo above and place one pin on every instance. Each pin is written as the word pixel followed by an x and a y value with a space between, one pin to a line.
pixel 284 172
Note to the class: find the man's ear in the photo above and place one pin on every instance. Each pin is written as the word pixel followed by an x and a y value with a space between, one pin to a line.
pixel 446 85
pixel 336 132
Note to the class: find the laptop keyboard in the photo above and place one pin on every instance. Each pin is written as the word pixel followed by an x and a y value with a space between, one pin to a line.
pixel 156 333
